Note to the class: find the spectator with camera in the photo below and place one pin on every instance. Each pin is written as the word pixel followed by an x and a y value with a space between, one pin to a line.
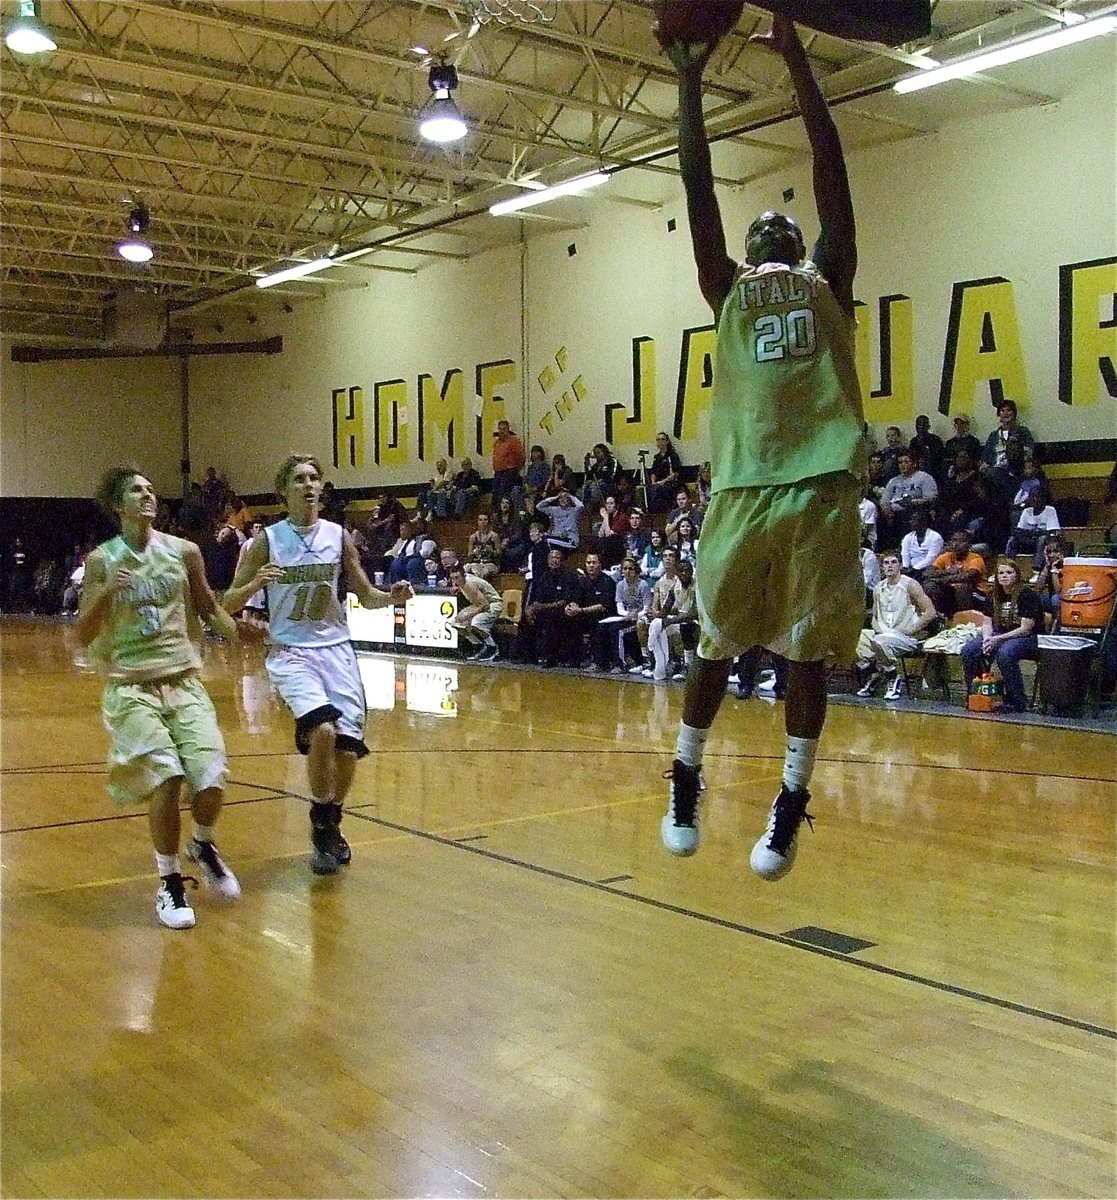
pixel 665 473
pixel 600 476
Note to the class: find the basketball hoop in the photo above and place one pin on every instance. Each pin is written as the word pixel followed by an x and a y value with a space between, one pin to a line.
pixel 506 12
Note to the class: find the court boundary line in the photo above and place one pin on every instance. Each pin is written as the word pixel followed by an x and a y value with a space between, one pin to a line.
pixel 739 927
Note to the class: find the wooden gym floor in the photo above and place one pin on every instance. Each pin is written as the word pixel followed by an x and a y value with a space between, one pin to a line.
pixel 514 991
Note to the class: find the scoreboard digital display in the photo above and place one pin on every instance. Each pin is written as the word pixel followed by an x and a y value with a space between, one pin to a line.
pixel 424 621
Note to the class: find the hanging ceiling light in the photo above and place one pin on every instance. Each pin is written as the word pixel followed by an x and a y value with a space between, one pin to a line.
pixel 136 248
pixel 442 121
pixel 27 34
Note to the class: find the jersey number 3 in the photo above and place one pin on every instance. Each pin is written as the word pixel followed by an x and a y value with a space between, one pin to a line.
pixel 311 602
pixel 781 334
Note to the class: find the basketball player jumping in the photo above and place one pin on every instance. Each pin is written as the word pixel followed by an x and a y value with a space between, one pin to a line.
pixel 779 564
pixel 311 661
pixel 143 594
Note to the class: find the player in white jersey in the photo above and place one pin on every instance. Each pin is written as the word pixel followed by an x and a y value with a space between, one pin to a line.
pixel 311 661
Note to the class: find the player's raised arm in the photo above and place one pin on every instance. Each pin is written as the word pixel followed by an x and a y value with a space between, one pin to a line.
pixel 253 573
pixel 707 234
pixel 836 251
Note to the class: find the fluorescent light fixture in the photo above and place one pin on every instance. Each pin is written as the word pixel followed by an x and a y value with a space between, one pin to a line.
pixel 571 187
pixel 27 34
pixel 1013 52
pixel 135 251
pixel 295 272
pixel 443 121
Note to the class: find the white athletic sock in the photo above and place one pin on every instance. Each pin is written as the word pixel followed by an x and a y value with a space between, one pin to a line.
pixel 798 762
pixel 691 743
pixel 167 864
pixel 203 833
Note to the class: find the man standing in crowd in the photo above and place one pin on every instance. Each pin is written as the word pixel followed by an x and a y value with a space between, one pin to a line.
pixel 143 594
pixel 508 462
pixel 311 662
pixel 779 564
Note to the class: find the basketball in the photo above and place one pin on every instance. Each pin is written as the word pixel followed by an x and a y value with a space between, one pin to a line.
pixel 694 20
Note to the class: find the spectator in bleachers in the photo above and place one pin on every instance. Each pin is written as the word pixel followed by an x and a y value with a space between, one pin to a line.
pixel 382 528
pixel 633 596
pixel 509 527
pixel 561 478
pixel 1003 484
pixel 684 507
pixel 467 488
pixel 956 579
pixel 878 476
pixel 332 507
pixel 610 532
pixel 995 455
pixel 965 499
pixel 672 631
pixel 508 463
pixel 665 474
pixel 902 611
pixel 564 512
pixel 651 561
pixel 1034 479
pixel 436 499
pixel 483 553
pixel 448 559
pixel 600 476
pixel 597 601
pixel 870 514
pixel 1010 634
pixel 702 487
pixel 435 574
pixel 410 562
pixel 963 439
pixel 1037 520
pixel 666 585
pixel 537 553
pixel 1048 580
pixel 685 541
pixel 638 536
pixel 904 494
pixel 921 546
pixel 894 446
pixel 626 491
pixel 928 449
pixel 537 472
pixel 215 491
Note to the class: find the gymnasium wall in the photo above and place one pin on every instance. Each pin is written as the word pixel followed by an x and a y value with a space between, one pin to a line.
pixel 988 255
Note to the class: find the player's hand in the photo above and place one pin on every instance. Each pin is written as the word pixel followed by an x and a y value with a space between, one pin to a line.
pixel 268 573
pixel 401 592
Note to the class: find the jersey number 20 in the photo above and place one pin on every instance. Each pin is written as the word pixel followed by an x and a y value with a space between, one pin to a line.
pixel 781 334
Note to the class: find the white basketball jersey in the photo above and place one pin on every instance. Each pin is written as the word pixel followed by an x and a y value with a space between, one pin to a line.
pixel 303 607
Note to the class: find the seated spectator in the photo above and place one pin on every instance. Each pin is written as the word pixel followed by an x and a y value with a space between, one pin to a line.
pixel 666 585
pixel 928 449
pixel 600 476
pixel 665 474
pixel 537 472
pixel 1048 580
pixel 561 478
pixel 509 527
pixel 1036 522
pixel 673 631
pixel 483 554
pixel 995 455
pixel 1010 634
pixel 901 611
pixel 436 499
pixel 904 493
pixel 878 477
pixel 382 528
pixel 418 546
pixel 633 597
pixel 684 507
pixel 869 515
pixel 894 446
pixel 387 565
pixel 685 541
pixel 651 561
pixel 476 620
pixel 448 559
pixel 564 511
pixel 596 602
pixel 920 547
pixel 965 498
pixel 1002 485
pixel 537 553
pixel 638 537
pixel 610 532
pixel 466 491
pixel 546 632
pixel 626 491
pixel 1034 479
pixel 434 573
pixel 956 579
pixel 962 440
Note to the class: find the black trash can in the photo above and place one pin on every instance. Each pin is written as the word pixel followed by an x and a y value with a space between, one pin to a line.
pixel 1064 671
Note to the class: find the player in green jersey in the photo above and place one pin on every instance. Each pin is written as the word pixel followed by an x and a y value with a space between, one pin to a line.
pixel 140 607
pixel 779 564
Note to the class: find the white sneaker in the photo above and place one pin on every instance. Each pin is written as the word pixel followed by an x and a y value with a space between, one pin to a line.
pixel 774 854
pixel 895 688
pixel 679 827
pixel 219 879
pixel 637 670
pixel 647 672
pixel 767 688
pixel 171 905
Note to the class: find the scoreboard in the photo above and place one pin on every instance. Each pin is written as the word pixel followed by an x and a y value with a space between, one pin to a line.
pixel 423 622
